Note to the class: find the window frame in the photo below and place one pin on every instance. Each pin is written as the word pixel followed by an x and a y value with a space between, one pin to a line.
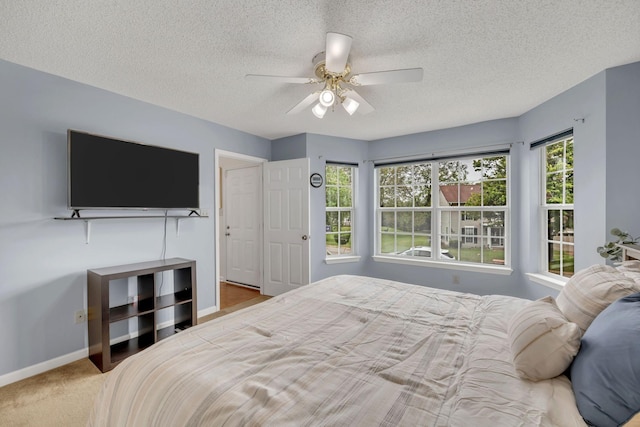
pixel 340 257
pixel 544 207
pixel 436 233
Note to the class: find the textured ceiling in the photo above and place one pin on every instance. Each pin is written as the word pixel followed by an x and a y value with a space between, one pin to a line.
pixel 482 60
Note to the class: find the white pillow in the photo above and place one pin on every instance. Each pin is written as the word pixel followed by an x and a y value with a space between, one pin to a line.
pixel 631 269
pixel 543 342
pixel 591 290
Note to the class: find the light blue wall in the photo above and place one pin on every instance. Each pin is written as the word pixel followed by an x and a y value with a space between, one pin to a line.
pixel 43 262
pixel 321 149
pixel 623 149
pixel 291 147
pixel 583 101
pixel 486 134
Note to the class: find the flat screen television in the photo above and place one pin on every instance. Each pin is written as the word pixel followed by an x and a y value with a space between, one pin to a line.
pixel 108 173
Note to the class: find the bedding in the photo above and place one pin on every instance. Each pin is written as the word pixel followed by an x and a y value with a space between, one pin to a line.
pixel 347 350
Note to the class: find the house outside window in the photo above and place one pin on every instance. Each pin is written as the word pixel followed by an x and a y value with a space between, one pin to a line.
pixel 557 207
pixel 340 209
pixel 464 220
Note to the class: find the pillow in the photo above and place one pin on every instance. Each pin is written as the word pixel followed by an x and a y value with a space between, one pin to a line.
pixel 591 290
pixel 631 269
pixel 605 374
pixel 543 343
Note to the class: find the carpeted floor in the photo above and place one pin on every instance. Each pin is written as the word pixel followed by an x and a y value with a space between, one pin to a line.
pixel 64 396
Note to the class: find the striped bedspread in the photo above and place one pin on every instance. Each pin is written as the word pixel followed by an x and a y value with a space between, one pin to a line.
pixel 344 351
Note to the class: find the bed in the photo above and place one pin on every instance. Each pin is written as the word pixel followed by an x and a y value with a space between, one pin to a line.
pixel 347 350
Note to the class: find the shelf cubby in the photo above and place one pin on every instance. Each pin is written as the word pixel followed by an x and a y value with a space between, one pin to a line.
pixel 107 312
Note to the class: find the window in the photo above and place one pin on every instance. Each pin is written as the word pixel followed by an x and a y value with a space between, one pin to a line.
pixel 340 214
pixel 557 207
pixel 464 222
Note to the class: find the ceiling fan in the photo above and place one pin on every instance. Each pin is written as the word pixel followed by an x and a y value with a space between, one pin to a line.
pixel 333 69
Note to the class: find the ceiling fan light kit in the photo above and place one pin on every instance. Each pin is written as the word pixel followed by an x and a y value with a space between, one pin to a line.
pixel 332 68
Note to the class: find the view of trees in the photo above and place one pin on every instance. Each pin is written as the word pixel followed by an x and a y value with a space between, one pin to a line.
pixel 559 187
pixel 339 203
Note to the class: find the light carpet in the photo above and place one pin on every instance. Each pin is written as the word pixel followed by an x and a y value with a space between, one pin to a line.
pixel 64 396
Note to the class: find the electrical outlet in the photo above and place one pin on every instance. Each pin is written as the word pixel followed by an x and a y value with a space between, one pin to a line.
pixel 81 316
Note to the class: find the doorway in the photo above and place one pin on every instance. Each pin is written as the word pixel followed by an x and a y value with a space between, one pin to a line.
pixel 240 209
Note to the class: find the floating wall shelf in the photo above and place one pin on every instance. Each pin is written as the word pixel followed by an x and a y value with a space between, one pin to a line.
pixel 87 220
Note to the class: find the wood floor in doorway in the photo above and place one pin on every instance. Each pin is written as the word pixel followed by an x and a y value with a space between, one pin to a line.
pixel 231 294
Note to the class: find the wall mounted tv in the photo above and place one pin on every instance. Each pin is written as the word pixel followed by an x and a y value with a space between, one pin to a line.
pixel 107 173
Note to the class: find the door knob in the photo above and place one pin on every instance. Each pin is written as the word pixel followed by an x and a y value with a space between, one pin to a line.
pixel 227 234
pixel 305 237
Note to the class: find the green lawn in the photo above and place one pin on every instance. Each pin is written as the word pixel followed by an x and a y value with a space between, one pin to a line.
pixel 465 254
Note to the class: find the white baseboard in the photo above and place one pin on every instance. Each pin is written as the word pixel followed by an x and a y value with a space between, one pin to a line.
pixel 39 368
pixel 57 362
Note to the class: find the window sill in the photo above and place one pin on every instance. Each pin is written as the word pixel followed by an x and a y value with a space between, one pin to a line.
pixel 479 268
pixel 548 281
pixel 342 259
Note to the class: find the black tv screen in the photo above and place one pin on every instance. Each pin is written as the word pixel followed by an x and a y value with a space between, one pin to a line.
pixel 110 173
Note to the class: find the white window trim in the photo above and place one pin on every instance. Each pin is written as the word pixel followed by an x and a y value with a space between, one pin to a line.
pixel 478 268
pixel 341 259
pixel 550 281
pixel 436 211
pixel 544 277
pixel 353 256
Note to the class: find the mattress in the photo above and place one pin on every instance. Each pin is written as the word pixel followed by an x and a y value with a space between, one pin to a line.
pixel 347 350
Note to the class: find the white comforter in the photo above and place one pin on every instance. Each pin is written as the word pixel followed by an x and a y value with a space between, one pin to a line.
pixel 347 350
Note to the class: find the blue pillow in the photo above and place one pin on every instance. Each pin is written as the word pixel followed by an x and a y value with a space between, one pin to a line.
pixel 605 373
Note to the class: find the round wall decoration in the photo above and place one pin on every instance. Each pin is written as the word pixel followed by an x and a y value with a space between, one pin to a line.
pixel 315 180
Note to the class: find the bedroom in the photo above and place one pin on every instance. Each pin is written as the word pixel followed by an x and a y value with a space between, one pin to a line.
pixel 43 262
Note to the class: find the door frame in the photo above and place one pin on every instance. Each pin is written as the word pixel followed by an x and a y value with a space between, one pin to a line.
pixel 220 155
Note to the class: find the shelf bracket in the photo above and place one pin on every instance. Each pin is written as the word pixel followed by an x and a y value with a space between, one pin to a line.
pixel 87 231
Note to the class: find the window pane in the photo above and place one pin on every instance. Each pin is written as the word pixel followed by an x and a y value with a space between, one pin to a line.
pixel 469 252
pixel 451 171
pixel 403 242
pixel 555 156
pixel 567 225
pixel 422 196
pixel 387 176
pixel 494 193
pixel 450 194
pixel 554 258
pixel 330 243
pixel 387 197
pixel 494 167
pixel 345 243
pixel 553 224
pixel 493 250
pixel 345 197
pixel 404 222
pixel 422 222
pixel 493 222
pixel 422 174
pixel 404 196
pixel 331 196
pixel 388 221
pixel 554 188
pixel 331 175
pixel 404 174
pixel 421 241
pixel 332 221
pixel 344 176
pixel 569 154
pixel 569 188
pixel 567 260
pixel 345 221
pixel 470 171
pixel 387 243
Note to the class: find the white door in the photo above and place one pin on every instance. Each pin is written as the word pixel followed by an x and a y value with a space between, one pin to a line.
pixel 243 211
pixel 286 225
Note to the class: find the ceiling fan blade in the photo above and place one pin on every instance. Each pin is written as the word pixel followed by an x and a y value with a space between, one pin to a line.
pixel 365 107
pixel 281 79
pixel 337 52
pixel 304 103
pixel 384 77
